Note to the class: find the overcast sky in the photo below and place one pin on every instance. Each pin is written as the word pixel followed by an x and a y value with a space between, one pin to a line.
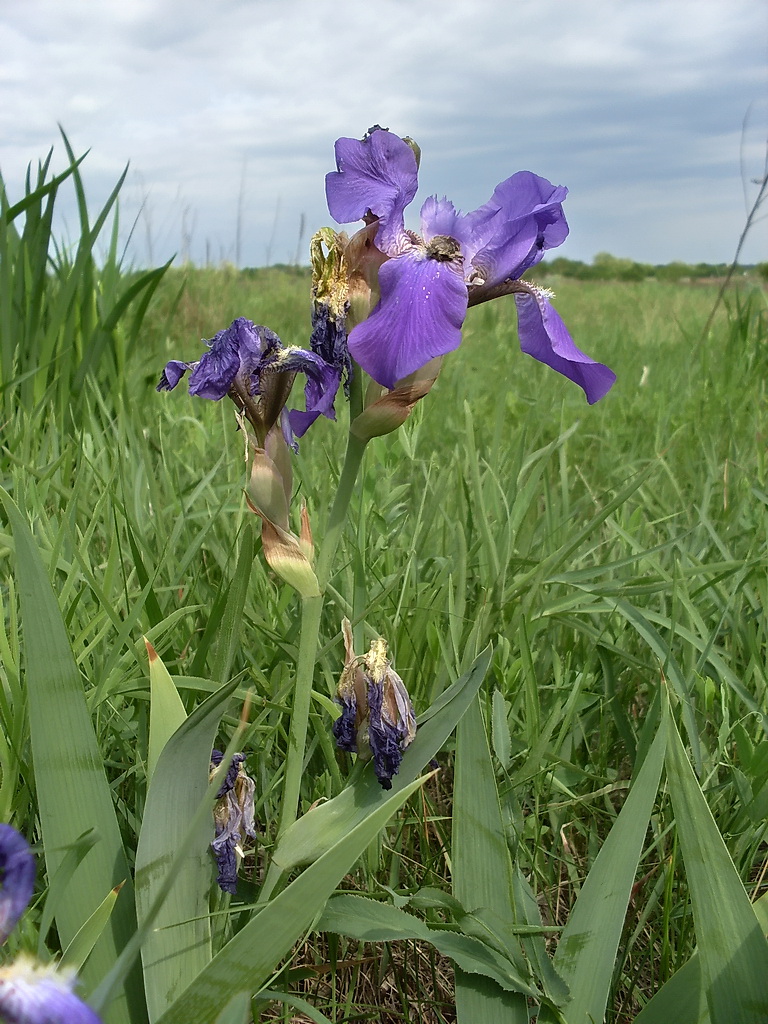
pixel 636 105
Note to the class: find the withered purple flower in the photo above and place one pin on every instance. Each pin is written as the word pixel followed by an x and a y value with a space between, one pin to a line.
pixel 428 280
pixel 249 363
pixel 30 993
pixel 233 819
pixel 377 719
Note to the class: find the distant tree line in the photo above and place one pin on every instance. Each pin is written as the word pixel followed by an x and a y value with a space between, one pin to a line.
pixel 605 267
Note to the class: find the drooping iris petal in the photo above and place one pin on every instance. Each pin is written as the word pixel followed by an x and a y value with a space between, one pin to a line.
pixel 17 878
pixel 345 726
pixel 171 375
pixel 391 725
pixel 212 377
pixel 234 767
pixel 329 338
pixel 378 174
pixel 544 336
pixel 31 993
pixel 419 316
pixel 323 382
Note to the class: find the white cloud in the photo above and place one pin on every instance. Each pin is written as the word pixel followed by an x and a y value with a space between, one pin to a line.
pixel 639 98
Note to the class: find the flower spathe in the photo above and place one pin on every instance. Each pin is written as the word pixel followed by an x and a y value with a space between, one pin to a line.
pixel 429 280
pixel 249 363
pixel 30 993
pixel 233 816
pixel 377 720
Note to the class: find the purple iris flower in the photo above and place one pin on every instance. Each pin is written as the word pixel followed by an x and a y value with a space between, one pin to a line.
pixel 233 816
pixel 377 720
pixel 30 993
pixel 428 280
pixel 250 364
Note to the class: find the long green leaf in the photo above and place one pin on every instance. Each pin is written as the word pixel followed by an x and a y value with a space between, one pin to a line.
pixel 482 872
pixel 370 921
pixel 166 711
pixel 179 945
pixel 248 960
pixel 683 999
pixel 586 953
pixel 732 949
pixel 72 789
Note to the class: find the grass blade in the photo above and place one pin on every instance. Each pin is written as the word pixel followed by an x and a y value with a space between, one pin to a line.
pixel 587 949
pixel 166 711
pixel 482 872
pixel 732 949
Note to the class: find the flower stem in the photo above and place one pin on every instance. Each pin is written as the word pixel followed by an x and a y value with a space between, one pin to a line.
pixel 337 518
pixel 311 610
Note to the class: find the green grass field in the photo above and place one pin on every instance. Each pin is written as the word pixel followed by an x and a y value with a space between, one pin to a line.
pixel 611 554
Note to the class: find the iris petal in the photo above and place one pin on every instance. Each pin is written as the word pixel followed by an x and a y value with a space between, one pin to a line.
pixel 323 382
pixel 32 994
pixel 377 174
pixel 529 219
pixel 419 316
pixel 384 737
pixel 171 375
pixel 17 875
pixel 544 336
pixel 345 726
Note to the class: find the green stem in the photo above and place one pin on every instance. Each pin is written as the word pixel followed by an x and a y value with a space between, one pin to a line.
pixel 311 610
pixel 338 516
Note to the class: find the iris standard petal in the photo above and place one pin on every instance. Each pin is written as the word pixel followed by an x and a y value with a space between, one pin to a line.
pixel 544 336
pixel 527 193
pixel 17 878
pixel 419 316
pixel 529 220
pixel 378 174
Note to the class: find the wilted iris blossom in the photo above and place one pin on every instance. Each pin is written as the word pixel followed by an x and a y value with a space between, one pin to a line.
pixel 233 819
pixel 377 719
pixel 428 280
pixel 249 363
pixel 30 993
